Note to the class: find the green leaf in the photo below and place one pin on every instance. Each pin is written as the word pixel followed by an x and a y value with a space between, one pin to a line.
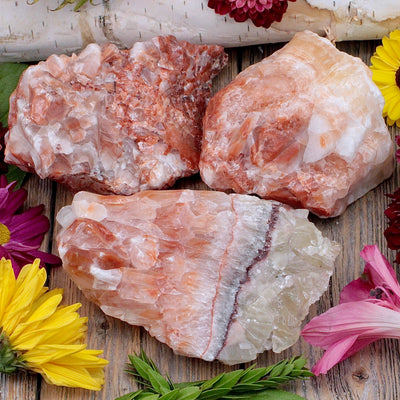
pixel 9 77
pixel 250 387
pixel 158 382
pixel 129 396
pixel 278 369
pixel 213 394
pixel 229 379
pixel 141 367
pixel 148 396
pixel 172 395
pixel 211 382
pixel 287 370
pixel 79 4
pixel 189 393
pixel 15 174
pixel 270 394
pixel 298 362
pixel 253 375
pixel 274 394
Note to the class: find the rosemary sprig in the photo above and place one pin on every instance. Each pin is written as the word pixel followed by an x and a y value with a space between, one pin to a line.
pixel 251 383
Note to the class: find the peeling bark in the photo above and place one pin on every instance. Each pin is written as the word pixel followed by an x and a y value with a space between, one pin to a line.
pixel 124 22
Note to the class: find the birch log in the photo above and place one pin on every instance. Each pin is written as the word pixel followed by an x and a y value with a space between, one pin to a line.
pixel 33 32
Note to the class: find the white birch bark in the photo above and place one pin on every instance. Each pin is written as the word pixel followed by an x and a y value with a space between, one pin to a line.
pixel 33 32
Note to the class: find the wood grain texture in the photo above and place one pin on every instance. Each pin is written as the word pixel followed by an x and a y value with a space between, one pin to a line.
pixel 372 374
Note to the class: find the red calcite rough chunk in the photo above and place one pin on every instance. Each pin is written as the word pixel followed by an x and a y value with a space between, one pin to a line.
pixel 304 127
pixel 114 121
pixel 212 275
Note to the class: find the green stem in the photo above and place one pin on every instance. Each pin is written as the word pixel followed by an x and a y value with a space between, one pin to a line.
pixel 10 360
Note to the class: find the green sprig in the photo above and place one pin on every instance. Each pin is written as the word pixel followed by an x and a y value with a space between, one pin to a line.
pixel 78 3
pixel 250 383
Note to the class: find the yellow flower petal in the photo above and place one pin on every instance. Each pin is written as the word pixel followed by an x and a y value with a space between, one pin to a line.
pixel 48 337
pixel 45 309
pixel 394 110
pixel 75 377
pixel 72 333
pixel 378 63
pixel 29 286
pixel 381 77
pixel 7 286
pixel 386 54
pixel 393 48
pixel 385 64
pixel 395 35
pixel 86 358
pixel 51 352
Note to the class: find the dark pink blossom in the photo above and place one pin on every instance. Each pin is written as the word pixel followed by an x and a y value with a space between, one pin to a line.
pixel 369 310
pixel 261 12
pixel 21 234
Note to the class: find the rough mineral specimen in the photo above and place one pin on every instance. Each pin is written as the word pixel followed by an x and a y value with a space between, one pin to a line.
pixel 114 121
pixel 212 275
pixel 304 126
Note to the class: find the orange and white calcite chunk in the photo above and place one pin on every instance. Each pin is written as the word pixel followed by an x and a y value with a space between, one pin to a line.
pixel 212 275
pixel 114 121
pixel 303 126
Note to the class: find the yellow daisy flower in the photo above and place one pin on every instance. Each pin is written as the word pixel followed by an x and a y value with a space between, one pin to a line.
pixel 386 74
pixel 39 335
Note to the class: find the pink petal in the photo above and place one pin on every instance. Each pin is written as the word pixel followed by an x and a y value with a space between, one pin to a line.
pixel 347 328
pixel 46 258
pixel 377 273
pixel 339 352
pixel 357 290
pixel 378 267
pixel 11 201
pixel 240 3
pixel 362 319
pixel 333 355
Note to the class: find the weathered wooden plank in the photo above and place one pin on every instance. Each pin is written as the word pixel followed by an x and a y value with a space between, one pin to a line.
pixel 371 374
pixel 27 386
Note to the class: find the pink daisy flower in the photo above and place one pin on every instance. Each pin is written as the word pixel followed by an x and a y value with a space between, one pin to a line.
pixel 261 12
pixel 369 310
pixel 21 234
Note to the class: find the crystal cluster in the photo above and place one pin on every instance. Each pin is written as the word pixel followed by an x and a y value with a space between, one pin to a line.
pixel 114 121
pixel 303 126
pixel 212 275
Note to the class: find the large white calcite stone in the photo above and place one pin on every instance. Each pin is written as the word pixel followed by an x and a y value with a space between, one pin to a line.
pixel 303 126
pixel 212 275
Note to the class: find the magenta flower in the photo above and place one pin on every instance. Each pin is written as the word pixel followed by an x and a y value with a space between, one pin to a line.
pixel 21 234
pixel 369 310
pixel 261 12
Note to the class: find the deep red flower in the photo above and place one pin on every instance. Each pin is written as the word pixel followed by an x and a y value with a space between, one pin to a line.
pixel 398 150
pixel 261 12
pixel 21 234
pixel 392 232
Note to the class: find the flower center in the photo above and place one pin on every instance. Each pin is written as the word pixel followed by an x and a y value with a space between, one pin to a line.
pixel 4 234
pixel 398 78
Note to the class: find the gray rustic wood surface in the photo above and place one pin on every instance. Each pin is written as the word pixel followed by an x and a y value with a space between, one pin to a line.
pixel 372 374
